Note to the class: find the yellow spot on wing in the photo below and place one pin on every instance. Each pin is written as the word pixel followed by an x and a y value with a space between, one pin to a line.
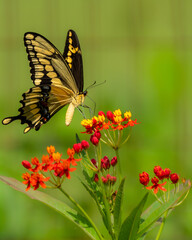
pixel 32 54
pixel 35 43
pixel 6 121
pixel 29 47
pixel 68 59
pixel 37 81
pixel 28 41
pixel 27 129
pixel 41 50
pixel 72 49
pixel 70 40
pixel 39 75
pixel 44 61
pixel 39 67
pixel 29 36
pixel 49 68
pixel 52 74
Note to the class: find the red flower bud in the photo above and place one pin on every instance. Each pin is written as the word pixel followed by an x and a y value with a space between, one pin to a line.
pixel 84 144
pixel 114 161
pixel 101 113
pixel 94 162
pixel 104 180
pixel 26 164
pixel 159 172
pixel 96 178
pixel 157 169
pixel 77 147
pixel 110 115
pixel 94 140
pixel 167 172
pixel 144 178
pixel 174 177
pixel 105 163
pixel 112 179
pixel 97 134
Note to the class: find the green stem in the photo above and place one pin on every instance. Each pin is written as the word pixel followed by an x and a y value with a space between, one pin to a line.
pixel 107 209
pixel 82 212
pixel 119 163
pixel 128 136
pixel 162 225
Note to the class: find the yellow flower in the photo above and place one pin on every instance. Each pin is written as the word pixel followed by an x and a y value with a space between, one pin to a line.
pixel 117 112
pixel 127 115
pixel 87 122
pixel 118 119
pixel 101 118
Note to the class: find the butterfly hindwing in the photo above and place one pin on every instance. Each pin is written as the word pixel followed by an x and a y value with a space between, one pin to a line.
pixel 72 55
pixel 55 85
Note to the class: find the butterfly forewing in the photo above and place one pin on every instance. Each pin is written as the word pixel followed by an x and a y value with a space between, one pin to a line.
pixel 73 57
pixel 47 64
pixel 55 85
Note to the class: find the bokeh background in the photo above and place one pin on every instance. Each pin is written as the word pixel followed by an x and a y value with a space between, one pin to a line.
pixel 143 49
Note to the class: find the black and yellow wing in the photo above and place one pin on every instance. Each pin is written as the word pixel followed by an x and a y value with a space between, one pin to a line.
pixel 72 55
pixel 57 82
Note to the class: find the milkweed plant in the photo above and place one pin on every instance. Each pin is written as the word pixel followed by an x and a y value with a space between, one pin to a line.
pixel 103 181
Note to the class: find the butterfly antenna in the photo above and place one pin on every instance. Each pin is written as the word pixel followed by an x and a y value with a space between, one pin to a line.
pixel 93 84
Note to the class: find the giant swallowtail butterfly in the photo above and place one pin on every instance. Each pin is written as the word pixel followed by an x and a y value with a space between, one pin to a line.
pixel 58 81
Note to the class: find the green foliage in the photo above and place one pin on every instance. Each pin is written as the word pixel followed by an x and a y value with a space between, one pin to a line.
pixel 156 210
pixel 130 226
pixel 56 204
pixel 118 207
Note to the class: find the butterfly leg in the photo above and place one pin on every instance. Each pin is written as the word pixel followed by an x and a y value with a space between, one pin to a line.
pixel 91 113
pixel 82 112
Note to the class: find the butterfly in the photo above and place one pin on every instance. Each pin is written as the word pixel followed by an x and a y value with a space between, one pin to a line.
pixel 58 81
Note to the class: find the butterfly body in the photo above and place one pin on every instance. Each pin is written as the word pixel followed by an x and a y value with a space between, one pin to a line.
pixel 76 101
pixel 58 81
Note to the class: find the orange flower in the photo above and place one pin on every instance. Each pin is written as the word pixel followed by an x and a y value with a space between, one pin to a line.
pixel 27 177
pixel 38 167
pixel 51 162
pixel 156 186
pixel 51 149
pixel 56 157
pixel 71 159
pixel 38 179
pixel 46 163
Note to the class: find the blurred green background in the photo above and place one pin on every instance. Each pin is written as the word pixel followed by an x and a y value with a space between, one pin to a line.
pixel 143 49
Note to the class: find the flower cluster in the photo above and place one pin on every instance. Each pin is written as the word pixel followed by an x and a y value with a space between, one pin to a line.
pixel 114 120
pixel 110 121
pixel 105 166
pixel 52 163
pixel 78 147
pixel 161 174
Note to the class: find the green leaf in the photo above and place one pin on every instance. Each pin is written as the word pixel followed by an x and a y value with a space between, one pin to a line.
pixel 130 226
pixel 56 204
pixel 99 205
pixel 117 208
pixel 155 211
